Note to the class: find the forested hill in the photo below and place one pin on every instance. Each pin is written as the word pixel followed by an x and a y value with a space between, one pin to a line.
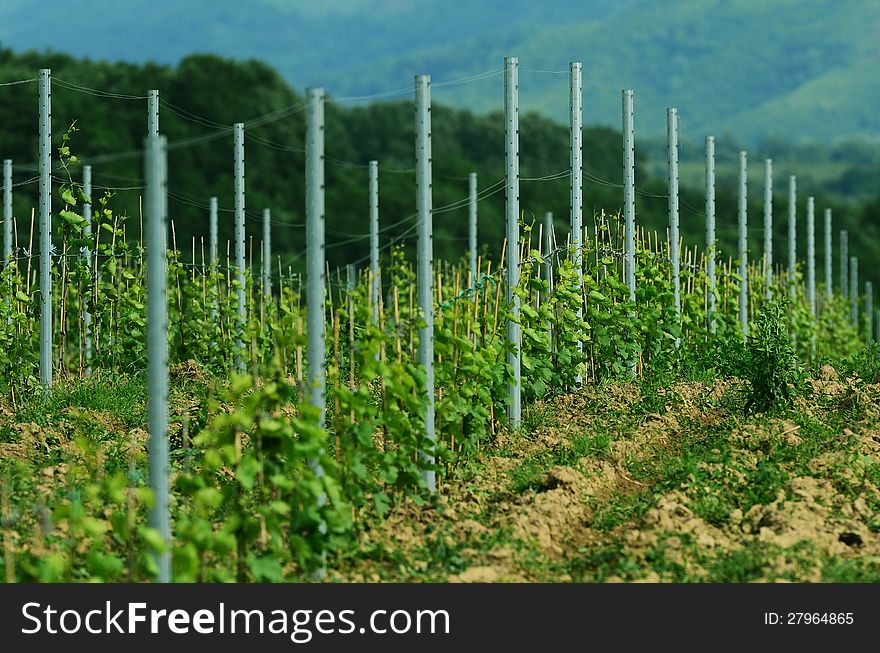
pixel 203 95
pixel 802 70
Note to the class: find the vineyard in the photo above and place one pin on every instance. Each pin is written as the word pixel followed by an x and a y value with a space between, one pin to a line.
pixel 308 438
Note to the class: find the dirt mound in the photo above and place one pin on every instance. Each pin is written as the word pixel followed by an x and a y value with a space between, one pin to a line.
pixel 557 517
pixel 32 441
pixel 188 370
pixel 101 418
pixel 827 373
pixel 756 436
pixel 828 386
pixel 654 433
pixel 560 477
pixel 486 574
pixel 810 516
pixel 868 443
pixel 672 516
pixel 550 517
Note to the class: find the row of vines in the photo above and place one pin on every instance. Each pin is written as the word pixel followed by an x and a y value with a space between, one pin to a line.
pixel 246 502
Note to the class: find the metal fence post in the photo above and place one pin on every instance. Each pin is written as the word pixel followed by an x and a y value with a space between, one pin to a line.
pixel 792 237
pixel 768 229
pixel 854 291
pixel 87 255
pixel 844 262
pixel 157 338
pixel 811 255
pixel 424 204
pixel 869 311
pixel 811 267
pixel 575 104
pixel 629 206
pixel 315 270
pixel 212 231
pixel 742 224
pixel 710 230
pixel 674 238
pixel 511 133
pixel 267 255
pixel 163 171
pixel 375 282
pixel 472 225
pixel 212 251
pixel 829 289
pixel 46 230
pixel 238 189
pixel 7 210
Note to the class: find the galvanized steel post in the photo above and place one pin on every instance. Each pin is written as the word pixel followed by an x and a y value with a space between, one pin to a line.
pixel 792 237
pixel 212 250
pixel 575 103
pixel 768 229
pixel 375 283
pixel 87 210
pixel 472 225
pixel 315 270
pixel 163 170
pixel 674 238
pixel 828 281
pixel 7 223
pixel 7 209
pixel 425 277
pixel 869 311
pixel 629 206
pixel 238 184
pixel 811 255
pixel 854 291
pixel 550 240
pixel 46 230
pixel 710 230
pixel 844 262
pixel 511 134
pixel 87 255
pixel 742 225
pixel 267 255
pixel 811 267
pixel 157 338
pixel 546 247
pixel 212 231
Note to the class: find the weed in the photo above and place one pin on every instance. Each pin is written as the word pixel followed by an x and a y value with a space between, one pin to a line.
pixel 772 366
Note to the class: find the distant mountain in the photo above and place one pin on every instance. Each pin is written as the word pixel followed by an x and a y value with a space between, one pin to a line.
pixel 803 70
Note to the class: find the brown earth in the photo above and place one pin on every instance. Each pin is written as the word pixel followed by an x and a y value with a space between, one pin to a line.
pixel 551 522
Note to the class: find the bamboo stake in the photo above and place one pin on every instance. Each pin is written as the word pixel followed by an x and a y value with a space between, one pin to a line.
pixel 383 360
pixel 484 322
pixel 397 343
pixel 498 293
pixel 411 315
pixel 30 255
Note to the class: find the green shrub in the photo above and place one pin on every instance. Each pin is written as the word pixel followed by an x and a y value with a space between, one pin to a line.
pixel 771 365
